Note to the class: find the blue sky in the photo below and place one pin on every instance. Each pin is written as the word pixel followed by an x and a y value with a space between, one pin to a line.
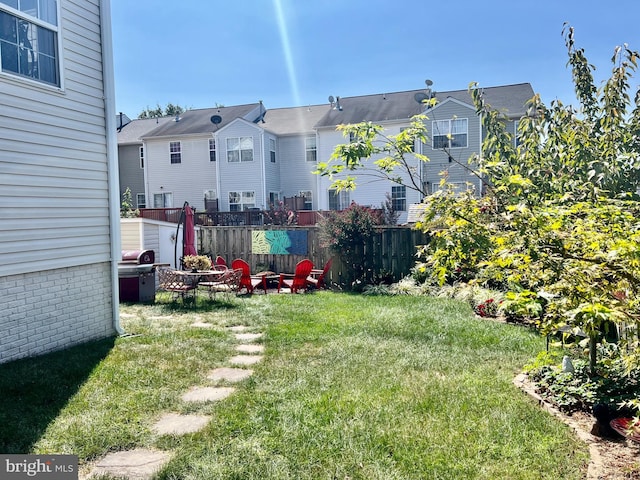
pixel 199 53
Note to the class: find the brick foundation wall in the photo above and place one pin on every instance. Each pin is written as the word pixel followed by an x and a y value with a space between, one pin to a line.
pixel 54 309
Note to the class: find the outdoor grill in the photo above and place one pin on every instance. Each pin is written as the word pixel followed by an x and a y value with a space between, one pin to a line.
pixel 137 276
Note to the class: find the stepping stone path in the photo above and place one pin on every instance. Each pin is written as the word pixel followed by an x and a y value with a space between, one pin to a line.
pixel 138 464
pixel 207 394
pixel 231 375
pixel 176 424
pixel 250 348
pixel 248 337
pixel 245 359
pixel 141 464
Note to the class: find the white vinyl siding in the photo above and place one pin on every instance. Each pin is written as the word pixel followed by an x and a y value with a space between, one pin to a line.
pixel 53 160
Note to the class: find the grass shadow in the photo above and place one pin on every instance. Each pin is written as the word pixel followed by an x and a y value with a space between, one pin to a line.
pixel 34 390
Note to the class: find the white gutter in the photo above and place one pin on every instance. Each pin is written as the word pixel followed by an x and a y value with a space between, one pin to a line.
pixel 264 174
pixel 112 155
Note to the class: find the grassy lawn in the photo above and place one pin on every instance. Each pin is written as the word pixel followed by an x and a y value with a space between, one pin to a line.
pixel 351 387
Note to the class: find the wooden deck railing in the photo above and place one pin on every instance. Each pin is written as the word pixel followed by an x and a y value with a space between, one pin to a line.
pixel 225 219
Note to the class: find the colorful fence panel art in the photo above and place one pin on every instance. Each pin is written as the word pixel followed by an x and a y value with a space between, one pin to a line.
pixel 279 242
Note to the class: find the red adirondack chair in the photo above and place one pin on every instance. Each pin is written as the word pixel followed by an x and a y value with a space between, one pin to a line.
pixel 317 276
pixel 298 280
pixel 221 261
pixel 248 281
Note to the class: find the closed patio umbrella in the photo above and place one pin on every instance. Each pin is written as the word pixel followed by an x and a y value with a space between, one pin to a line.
pixel 189 232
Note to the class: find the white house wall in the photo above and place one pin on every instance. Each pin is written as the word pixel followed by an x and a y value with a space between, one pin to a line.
pixel 55 244
pixel 295 170
pixel 188 180
pixel 241 176
pixel 458 169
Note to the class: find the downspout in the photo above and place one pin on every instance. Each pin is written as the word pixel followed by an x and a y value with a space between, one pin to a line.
pixel 264 177
pixel 481 159
pixel 112 155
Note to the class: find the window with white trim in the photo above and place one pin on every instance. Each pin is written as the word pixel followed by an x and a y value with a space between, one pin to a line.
pixel 240 149
pixel 516 134
pixel 175 151
pixel 29 40
pixel 141 155
pixel 339 200
pixel 239 201
pixel 274 198
pixel 272 150
pixel 311 152
pixel 450 133
pixel 163 200
pixel 141 201
pixel 399 198
pixel 308 199
pixel 212 149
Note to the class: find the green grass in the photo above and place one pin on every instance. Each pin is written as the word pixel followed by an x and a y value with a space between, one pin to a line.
pixel 354 387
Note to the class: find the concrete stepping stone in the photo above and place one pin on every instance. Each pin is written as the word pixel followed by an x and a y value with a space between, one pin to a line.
pixel 207 394
pixel 238 328
pixel 250 348
pixel 248 337
pixel 138 464
pixel 229 374
pixel 176 424
pixel 202 325
pixel 245 359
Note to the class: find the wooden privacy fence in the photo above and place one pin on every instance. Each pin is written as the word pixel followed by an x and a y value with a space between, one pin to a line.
pixel 392 250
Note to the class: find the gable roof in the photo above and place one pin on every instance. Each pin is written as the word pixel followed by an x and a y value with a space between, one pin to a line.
pixel 199 121
pixel 510 99
pixel 132 132
pixel 294 120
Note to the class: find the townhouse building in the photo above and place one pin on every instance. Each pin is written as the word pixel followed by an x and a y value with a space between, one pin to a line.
pixel 250 157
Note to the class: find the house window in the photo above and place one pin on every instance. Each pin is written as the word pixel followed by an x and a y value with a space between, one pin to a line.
pixel 311 152
pixel 240 149
pixel 450 133
pixel 274 198
pixel 352 137
pixel 516 134
pixel 141 201
pixel 399 198
pixel 175 150
pixel 212 150
pixel 29 40
pixel 308 199
pixel 162 200
pixel 272 150
pixel 338 200
pixel 241 201
pixel 141 154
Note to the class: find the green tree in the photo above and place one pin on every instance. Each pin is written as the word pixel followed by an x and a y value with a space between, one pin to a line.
pixel 345 233
pixel 170 110
pixel 558 224
pixel 126 207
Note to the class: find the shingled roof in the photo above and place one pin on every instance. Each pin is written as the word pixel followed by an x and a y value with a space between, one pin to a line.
pixel 132 132
pixel 295 120
pixel 509 99
pixel 199 120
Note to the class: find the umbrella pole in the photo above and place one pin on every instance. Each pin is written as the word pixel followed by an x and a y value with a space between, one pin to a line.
pixel 175 247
